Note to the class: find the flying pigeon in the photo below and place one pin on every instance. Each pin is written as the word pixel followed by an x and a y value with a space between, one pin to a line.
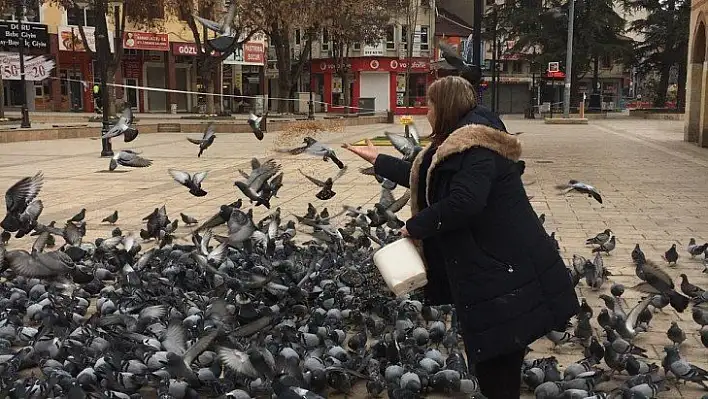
pixel 255 182
pixel 128 158
pixel 192 182
pixel 224 29
pixel 408 146
pixel 206 140
pixel 471 73
pixel 255 123
pixel 313 147
pixel 580 187
pixel 123 126
pixel 326 192
pixel 22 207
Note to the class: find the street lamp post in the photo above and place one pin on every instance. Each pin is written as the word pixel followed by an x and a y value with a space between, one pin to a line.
pixel 20 10
pixel 310 104
pixel 569 59
pixel 101 32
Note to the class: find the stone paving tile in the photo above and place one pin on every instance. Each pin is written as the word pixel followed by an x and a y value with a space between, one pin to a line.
pixel 653 186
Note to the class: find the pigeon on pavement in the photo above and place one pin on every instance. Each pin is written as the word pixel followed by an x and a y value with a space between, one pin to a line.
pixel 574 185
pixel 695 249
pixel 671 256
pixel 112 218
pixel 600 238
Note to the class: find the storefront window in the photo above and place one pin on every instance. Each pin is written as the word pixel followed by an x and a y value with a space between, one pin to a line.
pixel 416 87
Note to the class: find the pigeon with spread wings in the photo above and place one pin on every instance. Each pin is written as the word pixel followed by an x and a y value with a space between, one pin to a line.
pixel 128 158
pixel 580 187
pixel 253 186
pixel 206 140
pixel 192 182
pixel 314 147
pixel 657 281
pixel 123 126
pixel 224 29
pixel 326 192
pixel 470 72
pixel 409 147
pixel 23 208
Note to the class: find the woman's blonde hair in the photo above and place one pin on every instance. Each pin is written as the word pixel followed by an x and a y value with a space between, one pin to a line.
pixel 452 97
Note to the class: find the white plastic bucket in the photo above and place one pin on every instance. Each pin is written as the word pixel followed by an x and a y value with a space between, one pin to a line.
pixel 401 266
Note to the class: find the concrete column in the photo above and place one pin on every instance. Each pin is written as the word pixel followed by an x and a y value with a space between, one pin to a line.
pixel 55 84
pixel 171 79
pixel 694 89
pixel 703 124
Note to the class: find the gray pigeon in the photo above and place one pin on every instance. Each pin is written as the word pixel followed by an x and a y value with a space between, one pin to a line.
pixel 225 30
pixel 128 158
pixel 326 192
pixel 123 126
pixel 676 334
pixel 682 369
pixel 695 249
pixel 255 123
pixel 206 141
pixel 193 182
pixel 606 247
pixel 23 208
pixel 188 219
pixel 315 148
pixel 574 185
pixel 112 218
pixel 255 182
pixel 600 238
pixel 407 146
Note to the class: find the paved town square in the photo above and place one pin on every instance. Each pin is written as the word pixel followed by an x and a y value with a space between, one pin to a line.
pixel 652 183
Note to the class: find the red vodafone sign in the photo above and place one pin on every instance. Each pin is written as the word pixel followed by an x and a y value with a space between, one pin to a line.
pixel 367 64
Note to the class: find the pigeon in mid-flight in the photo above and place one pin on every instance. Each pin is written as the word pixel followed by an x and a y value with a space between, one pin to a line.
pixel 580 187
pixel 470 72
pixel 23 208
pixel 192 182
pixel 314 147
pixel 255 123
pixel 128 158
pixel 123 126
pixel 409 147
pixel 326 192
pixel 226 34
pixel 206 140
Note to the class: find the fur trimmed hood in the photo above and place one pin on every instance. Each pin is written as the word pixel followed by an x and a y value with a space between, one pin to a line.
pixel 461 140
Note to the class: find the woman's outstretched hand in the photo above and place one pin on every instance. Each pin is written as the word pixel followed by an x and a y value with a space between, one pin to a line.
pixel 369 153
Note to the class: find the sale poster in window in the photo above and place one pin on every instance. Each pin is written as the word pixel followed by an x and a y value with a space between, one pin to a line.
pixel 336 84
pixel 399 99
pixel 401 83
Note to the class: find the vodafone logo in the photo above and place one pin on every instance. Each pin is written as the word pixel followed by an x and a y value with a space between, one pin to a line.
pixel 394 64
pixel 374 64
pixel 323 66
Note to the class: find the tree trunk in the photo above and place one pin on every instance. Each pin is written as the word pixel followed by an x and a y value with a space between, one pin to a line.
pixel 110 80
pixel 596 74
pixel 282 51
pixel 345 91
pixel 681 92
pixel 663 86
pixel 210 87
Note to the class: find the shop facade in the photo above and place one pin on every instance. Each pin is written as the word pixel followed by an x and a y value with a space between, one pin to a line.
pixel 379 83
pixel 38 69
pixel 243 74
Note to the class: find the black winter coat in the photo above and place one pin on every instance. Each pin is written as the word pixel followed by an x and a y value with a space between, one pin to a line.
pixel 483 243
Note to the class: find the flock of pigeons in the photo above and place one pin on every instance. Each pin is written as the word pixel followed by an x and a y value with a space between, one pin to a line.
pixel 254 313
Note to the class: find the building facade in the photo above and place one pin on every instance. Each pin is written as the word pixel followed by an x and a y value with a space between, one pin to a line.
pixel 377 74
pixel 696 117
pixel 158 68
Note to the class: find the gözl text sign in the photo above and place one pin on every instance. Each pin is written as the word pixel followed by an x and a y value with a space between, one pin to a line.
pixel 35 36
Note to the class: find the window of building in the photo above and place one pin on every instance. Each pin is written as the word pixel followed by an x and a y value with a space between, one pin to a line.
pixel 325 40
pixel 81 16
pixel 156 10
pixel 606 62
pixel 404 36
pixel 516 67
pixel 357 46
pixel 31 14
pixel 424 41
pixel 297 36
pixel 390 37
pixel 416 88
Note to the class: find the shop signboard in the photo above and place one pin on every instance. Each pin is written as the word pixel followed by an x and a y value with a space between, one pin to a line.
pixel 36 36
pixel 146 41
pixel 37 68
pixel 70 38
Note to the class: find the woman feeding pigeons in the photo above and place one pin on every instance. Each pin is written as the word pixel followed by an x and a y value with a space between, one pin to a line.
pixel 483 244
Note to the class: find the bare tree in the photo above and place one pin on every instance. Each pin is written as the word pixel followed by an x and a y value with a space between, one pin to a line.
pixel 349 22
